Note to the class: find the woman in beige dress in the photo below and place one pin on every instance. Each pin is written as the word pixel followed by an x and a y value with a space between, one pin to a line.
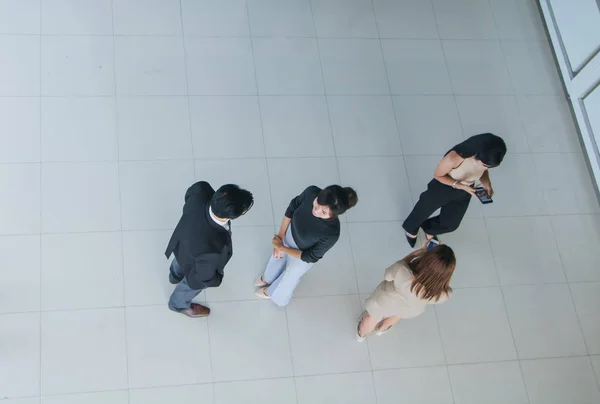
pixel 409 285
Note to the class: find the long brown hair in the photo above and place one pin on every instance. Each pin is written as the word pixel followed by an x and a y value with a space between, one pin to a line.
pixel 432 271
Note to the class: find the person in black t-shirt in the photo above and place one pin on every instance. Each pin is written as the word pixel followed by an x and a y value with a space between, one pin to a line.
pixel 309 229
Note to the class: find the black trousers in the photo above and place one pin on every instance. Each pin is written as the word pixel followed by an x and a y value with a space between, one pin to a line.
pixel 454 204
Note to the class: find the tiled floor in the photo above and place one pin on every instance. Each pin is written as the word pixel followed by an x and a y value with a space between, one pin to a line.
pixel 109 109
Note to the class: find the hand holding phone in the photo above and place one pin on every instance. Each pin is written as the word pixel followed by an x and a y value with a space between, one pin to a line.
pixel 483 196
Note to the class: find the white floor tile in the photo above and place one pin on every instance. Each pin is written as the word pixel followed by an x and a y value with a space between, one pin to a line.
pixel 296 126
pixel 364 125
pixel 250 174
pixel 411 343
pixel 516 19
pixel 79 197
pixel 20 365
pixel 78 129
pixel 83 351
pixel 496 114
pixel 334 274
pixel 20 184
pixel 154 128
pixel 475 263
pixel 563 380
pixel 387 199
pixel 465 19
pixel 405 19
pixel 372 255
pixel 220 66
pixel 548 124
pixel 586 297
pixel 63 273
pixel 146 267
pixel 543 321
pixel 349 388
pixel 263 352
pixel 226 127
pixel 179 394
pixel 147 17
pixel 152 193
pixel 20 273
pixel 20 17
pixel 112 397
pixel 287 66
pixel 344 19
pixel 321 172
pixel 331 335
pixel 416 66
pixel 150 65
pixel 474 327
pixel 477 67
pixel 577 237
pixel 281 18
pixel 77 65
pixel 413 385
pixel 420 173
pixel 73 17
pixel 20 68
pixel 566 183
pixel 531 67
pixel 155 358
pixel 493 383
pixel 525 250
pixel 19 130
pixel 252 392
pixel 422 135
pixel 353 67
pixel 517 189
pixel 251 251
pixel 221 18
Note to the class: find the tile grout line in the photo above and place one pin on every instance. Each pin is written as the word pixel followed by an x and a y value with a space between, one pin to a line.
pixel 116 112
pixel 437 321
pixel 190 126
pixel 510 327
pixel 266 162
pixel 40 329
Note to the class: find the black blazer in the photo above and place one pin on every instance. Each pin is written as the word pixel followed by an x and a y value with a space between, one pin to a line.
pixel 201 246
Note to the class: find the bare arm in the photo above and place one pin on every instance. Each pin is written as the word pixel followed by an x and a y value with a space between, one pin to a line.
pixel 292 252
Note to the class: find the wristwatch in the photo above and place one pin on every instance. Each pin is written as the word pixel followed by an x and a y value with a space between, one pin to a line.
pixel 454 185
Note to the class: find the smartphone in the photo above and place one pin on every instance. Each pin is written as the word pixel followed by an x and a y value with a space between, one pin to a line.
pixel 483 196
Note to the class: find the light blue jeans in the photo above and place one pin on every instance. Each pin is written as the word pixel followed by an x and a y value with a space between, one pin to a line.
pixel 182 296
pixel 283 274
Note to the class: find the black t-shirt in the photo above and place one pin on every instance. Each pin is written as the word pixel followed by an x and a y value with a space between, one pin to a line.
pixel 313 235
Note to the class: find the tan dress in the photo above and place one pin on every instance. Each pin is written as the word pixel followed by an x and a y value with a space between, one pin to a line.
pixel 393 296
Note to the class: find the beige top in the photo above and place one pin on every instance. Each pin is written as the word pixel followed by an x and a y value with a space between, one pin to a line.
pixel 468 171
pixel 393 296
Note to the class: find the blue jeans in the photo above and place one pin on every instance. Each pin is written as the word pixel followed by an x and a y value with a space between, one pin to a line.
pixel 284 274
pixel 182 296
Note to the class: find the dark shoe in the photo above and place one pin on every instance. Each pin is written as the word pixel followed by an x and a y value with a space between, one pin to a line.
pixel 174 280
pixel 411 241
pixel 197 310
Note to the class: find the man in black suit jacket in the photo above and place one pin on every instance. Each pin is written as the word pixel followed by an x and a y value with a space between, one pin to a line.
pixel 201 243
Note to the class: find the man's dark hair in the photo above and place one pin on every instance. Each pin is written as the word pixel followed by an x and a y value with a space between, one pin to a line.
pixel 230 202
